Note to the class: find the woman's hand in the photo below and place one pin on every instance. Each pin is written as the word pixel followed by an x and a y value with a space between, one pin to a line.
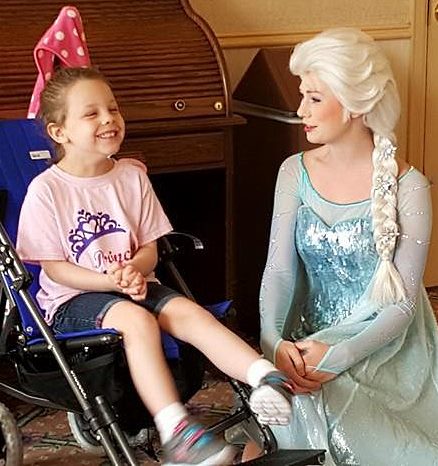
pixel 289 360
pixel 312 352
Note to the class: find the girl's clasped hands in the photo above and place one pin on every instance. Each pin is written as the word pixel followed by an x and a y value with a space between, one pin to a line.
pixel 128 280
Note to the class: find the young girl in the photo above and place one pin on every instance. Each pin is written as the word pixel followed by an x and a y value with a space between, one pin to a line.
pixel 92 223
pixel 342 300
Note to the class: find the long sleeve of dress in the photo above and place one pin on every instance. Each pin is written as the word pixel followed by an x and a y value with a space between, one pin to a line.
pixel 280 274
pixel 414 216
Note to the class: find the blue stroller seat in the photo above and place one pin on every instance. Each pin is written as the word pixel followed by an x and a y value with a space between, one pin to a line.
pixel 19 138
pixel 24 153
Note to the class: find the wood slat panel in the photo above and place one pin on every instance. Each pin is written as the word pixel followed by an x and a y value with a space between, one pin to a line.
pixel 176 151
pixel 153 53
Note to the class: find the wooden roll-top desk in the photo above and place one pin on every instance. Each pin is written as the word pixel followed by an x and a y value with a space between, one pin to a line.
pixel 169 76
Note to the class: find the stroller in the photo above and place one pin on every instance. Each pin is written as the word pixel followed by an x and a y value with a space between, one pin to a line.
pixel 85 373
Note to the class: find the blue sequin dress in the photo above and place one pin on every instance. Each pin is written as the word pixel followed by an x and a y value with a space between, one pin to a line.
pixel 382 408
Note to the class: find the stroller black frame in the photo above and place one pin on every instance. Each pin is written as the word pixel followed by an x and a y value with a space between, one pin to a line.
pixel 98 412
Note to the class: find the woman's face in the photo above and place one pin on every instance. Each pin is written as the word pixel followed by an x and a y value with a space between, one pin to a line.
pixel 325 120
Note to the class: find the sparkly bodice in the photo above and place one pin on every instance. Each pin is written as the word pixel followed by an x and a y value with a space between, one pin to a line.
pixel 321 268
pixel 322 263
pixel 339 263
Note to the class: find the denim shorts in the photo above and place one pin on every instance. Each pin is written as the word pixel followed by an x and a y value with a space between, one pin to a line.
pixel 87 310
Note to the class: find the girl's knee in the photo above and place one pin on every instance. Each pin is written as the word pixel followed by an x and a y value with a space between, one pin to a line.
pixel 128 317
pixel 184 311
pixel 180 306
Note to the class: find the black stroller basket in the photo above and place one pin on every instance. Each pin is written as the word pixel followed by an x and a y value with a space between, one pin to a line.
pixel 98 412
pixel 87 375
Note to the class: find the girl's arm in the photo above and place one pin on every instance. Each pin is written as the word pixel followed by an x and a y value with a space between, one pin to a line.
pixel 145 259
pixel 80 278
pixel 131 275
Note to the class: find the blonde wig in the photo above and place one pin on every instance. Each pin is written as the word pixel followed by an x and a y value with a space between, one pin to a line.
pixel 358 73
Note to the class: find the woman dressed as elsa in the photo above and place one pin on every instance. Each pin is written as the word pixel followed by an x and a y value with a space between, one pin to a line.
pixel 343 309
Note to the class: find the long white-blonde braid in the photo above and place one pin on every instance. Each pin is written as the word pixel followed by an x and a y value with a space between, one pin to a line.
pixel 388 286
pixel 359 74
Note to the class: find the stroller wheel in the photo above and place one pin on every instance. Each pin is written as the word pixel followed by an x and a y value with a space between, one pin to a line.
pixel 11 448
pixel 83 434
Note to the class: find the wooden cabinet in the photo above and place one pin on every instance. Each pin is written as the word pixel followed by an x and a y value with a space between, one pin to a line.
pixel 268 97
pixel 168 74
pixel 192 172
pixel 182 151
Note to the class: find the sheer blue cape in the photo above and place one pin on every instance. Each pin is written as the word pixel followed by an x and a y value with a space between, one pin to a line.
pixel 382 408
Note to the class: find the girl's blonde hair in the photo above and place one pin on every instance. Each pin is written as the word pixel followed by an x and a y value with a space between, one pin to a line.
pixel 53 97
pixel 358 73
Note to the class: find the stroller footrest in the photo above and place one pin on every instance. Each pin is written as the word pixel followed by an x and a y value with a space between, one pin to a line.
pixel 290 458
pixel 91 341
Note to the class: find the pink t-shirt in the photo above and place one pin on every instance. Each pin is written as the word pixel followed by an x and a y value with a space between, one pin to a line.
pixel 91 222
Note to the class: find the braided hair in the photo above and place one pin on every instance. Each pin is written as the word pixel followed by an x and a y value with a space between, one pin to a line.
pixel 358 73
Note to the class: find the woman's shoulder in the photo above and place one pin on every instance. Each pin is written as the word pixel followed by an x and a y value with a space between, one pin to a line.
pixel 411 180
pixel 290 170
pixel 293 161
pixel 314 153
pixel 409 175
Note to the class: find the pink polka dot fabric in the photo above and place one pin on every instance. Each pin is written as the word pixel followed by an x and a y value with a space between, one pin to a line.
pixel 64 41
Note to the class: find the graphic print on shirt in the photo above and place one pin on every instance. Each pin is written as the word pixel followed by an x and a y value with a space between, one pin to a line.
pixel 100 237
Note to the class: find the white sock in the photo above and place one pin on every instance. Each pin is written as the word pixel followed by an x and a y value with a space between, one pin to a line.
pixel 257 370
pixel 270 406
pixel 168 418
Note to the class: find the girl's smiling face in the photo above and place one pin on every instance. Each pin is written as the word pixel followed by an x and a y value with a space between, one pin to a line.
pixel 93 128
pixel 325 119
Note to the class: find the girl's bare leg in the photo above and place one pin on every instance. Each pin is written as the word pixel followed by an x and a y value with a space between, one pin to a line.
pixel 146 361
pixel 271 399
pixel 189 322
pixel 154 383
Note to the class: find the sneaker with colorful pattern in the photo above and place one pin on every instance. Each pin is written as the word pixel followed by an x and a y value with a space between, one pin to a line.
pixel 191 445
pixel 272 399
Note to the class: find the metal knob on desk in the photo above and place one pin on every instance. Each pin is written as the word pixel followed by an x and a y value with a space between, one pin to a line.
pixel 179 105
